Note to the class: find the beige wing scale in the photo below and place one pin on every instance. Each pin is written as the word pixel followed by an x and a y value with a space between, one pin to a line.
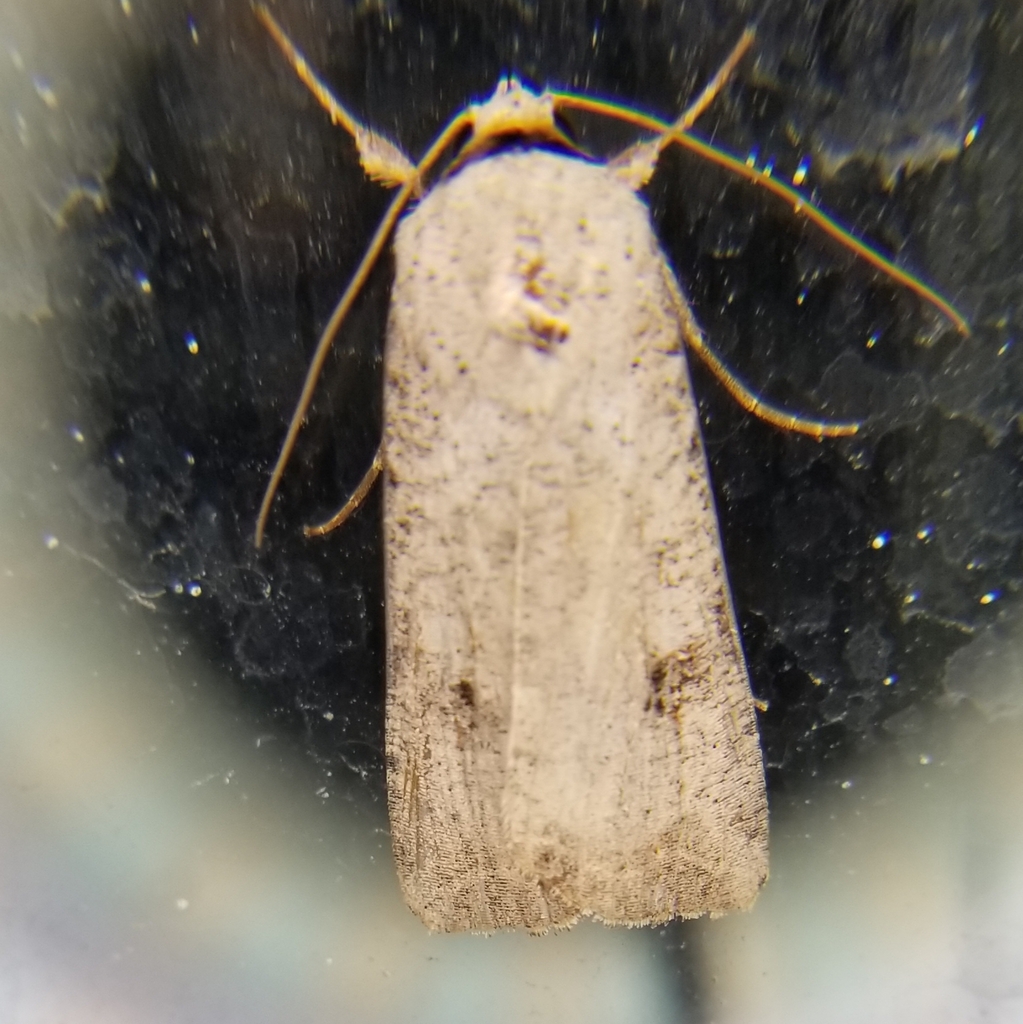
pixel 570 729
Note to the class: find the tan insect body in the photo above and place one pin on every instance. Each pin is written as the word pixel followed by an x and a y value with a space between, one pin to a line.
pixel 570 729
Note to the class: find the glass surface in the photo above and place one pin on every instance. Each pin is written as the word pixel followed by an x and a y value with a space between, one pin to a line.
pixel 192 822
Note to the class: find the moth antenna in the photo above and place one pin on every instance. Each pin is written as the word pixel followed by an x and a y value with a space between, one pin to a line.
pixel 383 232
pixel 804 207
pixel 637 163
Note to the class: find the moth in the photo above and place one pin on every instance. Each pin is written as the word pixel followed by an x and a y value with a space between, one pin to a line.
pixel 570 729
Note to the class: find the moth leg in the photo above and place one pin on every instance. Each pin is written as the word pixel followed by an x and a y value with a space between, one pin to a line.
pixel 637 163
pixel 748 399
pixel 716 84
pixel 357 498
pixel 381 159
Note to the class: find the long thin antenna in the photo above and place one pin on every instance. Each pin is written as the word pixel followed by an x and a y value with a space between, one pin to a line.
pixel 800 204
pixel 383 232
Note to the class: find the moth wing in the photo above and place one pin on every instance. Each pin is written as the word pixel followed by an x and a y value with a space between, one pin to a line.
pixel 570 728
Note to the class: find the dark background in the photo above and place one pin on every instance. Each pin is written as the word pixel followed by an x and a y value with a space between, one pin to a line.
pixel 194 190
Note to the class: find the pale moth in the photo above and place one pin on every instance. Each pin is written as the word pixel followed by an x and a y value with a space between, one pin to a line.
pixel 570 730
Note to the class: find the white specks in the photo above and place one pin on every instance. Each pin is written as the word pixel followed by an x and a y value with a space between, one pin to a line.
pixel 881 540
pixel 194 590
pixel 872 340
pixel 181 903
pixel 76 434
pixel 191 344
pixel 145 286
pixel 991 596
pixel 51 542
pixel 971 135
pixel 925 532
pixel 45 92
pixel 328 715
pixel 323 793
pixel 801 171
